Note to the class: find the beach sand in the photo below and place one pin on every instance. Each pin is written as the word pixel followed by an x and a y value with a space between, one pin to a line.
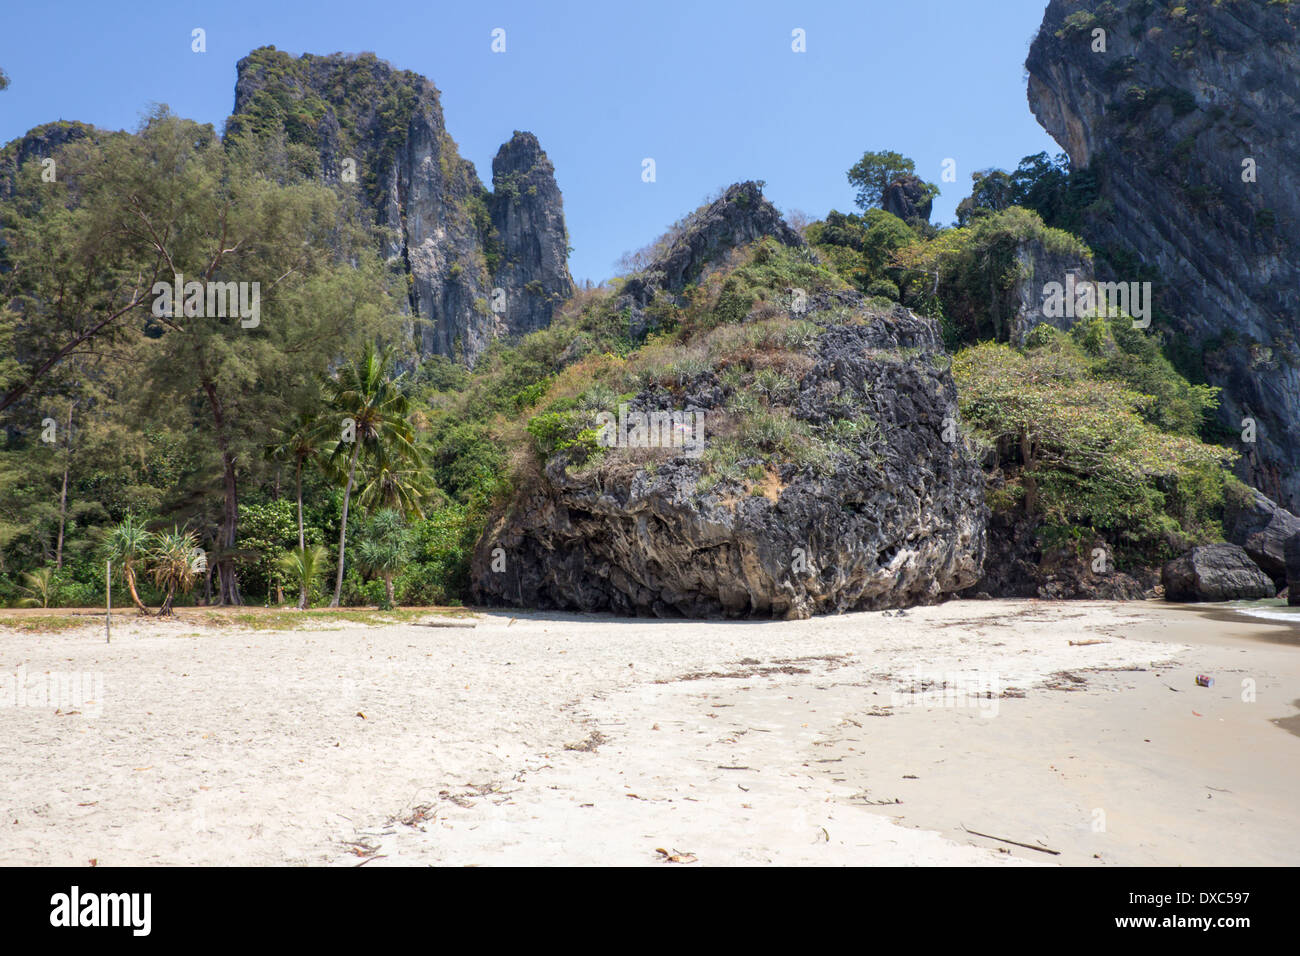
pixel 538 738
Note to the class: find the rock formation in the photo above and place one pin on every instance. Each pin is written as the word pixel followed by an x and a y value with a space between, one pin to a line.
pixel 907 198
pixel 1215 572
pixel 480 264
pixel 37 144
pixel 1291 554
pixel 1188 118
pixel 895 518
pixel 740 216
pixel 1262 528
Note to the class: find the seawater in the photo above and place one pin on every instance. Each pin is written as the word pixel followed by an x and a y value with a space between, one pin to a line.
pixel 1270 609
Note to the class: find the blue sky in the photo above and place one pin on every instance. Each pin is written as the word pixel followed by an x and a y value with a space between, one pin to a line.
pixel 710 90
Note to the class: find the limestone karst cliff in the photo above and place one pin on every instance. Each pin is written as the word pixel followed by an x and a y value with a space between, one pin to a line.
pixel 1190 118
pixel 829 475
pixel 480 263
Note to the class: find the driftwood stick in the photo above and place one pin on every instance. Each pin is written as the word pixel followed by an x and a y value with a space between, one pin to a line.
pixel 1027 846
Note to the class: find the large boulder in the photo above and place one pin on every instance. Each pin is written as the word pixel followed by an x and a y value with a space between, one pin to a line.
pixel 1263 528
pixel 1292 553
pixel 1216 572
pixel 894 516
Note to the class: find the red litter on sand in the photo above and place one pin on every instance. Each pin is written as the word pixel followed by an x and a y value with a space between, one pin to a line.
pixel 1204 681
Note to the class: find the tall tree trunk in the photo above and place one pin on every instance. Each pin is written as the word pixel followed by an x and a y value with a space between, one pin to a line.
pixel 388 587
pixel 1027 478
pixel 343 529
pixel 301 544
pixel 229 590
pixel 63 493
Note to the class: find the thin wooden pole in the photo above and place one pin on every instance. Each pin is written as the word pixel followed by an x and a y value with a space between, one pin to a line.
pixel 108 602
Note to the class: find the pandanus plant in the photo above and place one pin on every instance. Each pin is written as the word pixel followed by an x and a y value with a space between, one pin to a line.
pixel 127 546
pixel 176 561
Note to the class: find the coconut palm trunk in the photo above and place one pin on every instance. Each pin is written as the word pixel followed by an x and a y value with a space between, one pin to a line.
pixel 343 529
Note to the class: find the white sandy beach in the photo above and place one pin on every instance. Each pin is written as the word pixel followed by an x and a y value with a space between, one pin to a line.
pixel 589 740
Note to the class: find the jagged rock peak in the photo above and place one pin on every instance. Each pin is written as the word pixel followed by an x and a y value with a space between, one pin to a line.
pixel 528 218
pixel 739 216
pixel 481 264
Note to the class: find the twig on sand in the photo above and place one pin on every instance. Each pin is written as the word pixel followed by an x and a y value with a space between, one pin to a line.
pixel 369 858
pixel 1086 643
pixel 1027 846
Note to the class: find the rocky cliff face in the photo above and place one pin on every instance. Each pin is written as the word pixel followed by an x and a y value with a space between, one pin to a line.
pixel 528 217
pixel 480 264
pixel 895 516
pixel 38 144
pixel 740 216
pixel 1189 117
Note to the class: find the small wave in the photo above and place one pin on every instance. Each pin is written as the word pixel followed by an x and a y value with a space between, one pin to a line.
pixel 1272 610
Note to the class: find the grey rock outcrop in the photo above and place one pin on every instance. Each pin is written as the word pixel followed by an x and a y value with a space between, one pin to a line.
pixel 1038 267
pixel 1188 118
pixel 1215 572
pixel 37 144
pixel 740 216
pixel 528 217
pixel 480 264
pixel 892 517
pixel 907 198
pixel 892 524
pixel 1262 528
pixel 1291 553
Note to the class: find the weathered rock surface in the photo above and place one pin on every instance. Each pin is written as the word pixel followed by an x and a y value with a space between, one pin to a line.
pixel 357 116
pixel 37 144
pixel 1291 552
pixel 740 216
pixel 1216 572
pixel 1039 266
pixel 1262 528
pixel 1020 565
pixel 893 519
pixel 528 216
pixel 893 525
pixel 906 197
pixel 1185 101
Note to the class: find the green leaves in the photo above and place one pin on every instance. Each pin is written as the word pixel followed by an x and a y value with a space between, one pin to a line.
pixel 1085 447
pixel 303 565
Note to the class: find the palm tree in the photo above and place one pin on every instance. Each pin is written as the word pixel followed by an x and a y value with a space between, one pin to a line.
pixel 126 546
pixel 177 561
pixel 364 394
pixel 385 548
pixel 39 587
pixel 298 441
pixel 305 564
pixel 398 484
